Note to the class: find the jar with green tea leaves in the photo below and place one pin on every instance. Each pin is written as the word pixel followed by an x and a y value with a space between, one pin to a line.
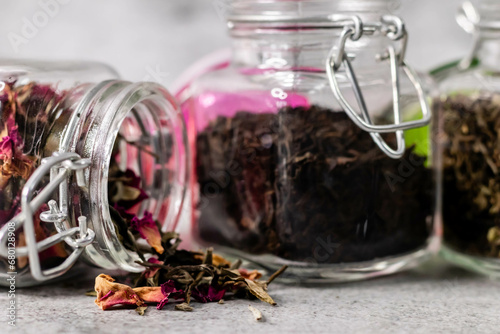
pixel 311 146
pixel 92 168
pixel 468 133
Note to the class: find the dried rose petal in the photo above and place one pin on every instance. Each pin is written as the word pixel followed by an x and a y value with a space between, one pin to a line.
pixel 208 293
pixel 150 294
pixel 168 289
pixel 217 260
pixel 110 294
pixel 123 212
pixel 13 162
pixel 148 230
pixel 6 149
pixel 252 275
pixel 151 271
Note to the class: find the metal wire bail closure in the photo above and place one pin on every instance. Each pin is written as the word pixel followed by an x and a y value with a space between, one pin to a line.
pixel 393 28
pixel 60 165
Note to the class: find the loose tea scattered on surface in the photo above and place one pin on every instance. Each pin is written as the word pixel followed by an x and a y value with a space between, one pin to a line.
pixel 182 276
pixel 170 273
pixel 471 179
pixel 307 183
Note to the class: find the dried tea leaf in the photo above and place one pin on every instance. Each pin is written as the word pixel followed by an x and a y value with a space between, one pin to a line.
pixel 183 307
pixel 258 291
pixel 91 293
pixel 235 265
pixel 141 310
pixel 276 274
pixel 256 313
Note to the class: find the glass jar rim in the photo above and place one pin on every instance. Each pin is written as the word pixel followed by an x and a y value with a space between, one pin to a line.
pixel 112 101
pixel 277 10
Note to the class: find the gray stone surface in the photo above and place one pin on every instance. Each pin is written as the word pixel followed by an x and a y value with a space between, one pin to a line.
pixel 433 299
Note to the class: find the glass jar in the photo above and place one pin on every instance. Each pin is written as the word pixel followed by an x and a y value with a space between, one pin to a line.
pixel 312 146
pixel 80 151
pixel 468 120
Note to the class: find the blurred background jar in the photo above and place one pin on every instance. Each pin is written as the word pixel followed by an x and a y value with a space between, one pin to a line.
pixel 468 119
pixel 312 145
pixel 80 151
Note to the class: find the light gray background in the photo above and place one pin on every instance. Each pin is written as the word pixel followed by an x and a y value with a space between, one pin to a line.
pixel 157 39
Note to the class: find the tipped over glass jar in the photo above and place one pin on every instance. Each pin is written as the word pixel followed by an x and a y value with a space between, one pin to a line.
pixel 83 157
pixel 312 145
pixel 468 126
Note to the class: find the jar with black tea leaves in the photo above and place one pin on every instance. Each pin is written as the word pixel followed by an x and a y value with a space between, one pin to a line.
pixel 312 145
pixel 468 126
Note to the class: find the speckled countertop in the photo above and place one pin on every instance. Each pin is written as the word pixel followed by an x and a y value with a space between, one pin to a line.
pixel 436 298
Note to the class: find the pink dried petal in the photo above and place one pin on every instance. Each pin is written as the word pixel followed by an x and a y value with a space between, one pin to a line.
pixel 151 271
pixel 251 275
pixel 6 149
pixel 162 303
pixel 110 294
pixel 168 289
pixel 208 294
pixel 148 230
pixel 123 212
pixel 150 294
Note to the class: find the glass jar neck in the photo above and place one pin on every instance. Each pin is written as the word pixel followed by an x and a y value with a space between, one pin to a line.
pixel 264 37
pixel 145 116
pixel 488 50
pixel 301 51
pixel 488 40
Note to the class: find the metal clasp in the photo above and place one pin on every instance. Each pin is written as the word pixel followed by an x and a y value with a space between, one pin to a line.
pixel 394 28
pixel 60 166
